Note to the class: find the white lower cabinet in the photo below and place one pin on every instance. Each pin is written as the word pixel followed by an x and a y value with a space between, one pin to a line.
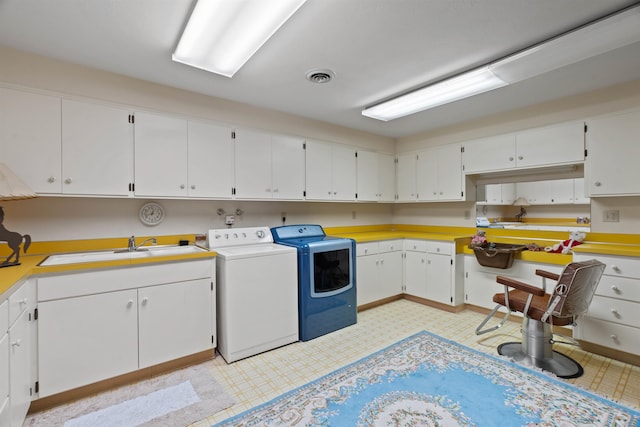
pixel 96 325
pixel 613 319
pixel 432 271
pixel 379 270
pixel 17 379
pixel 4 364
pixel 480 282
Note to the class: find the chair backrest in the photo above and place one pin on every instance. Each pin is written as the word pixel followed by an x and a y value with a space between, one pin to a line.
pixel 575 288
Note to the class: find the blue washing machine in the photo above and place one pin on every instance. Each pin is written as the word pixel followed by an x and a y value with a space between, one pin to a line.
pixel 326 278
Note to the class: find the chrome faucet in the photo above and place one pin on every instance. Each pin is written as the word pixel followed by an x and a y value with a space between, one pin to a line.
pixel 132 243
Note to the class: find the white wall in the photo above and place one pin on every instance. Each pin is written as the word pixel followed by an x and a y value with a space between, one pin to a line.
pixel 60 218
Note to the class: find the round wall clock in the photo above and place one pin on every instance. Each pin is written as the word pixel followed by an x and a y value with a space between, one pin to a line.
pixel 151 214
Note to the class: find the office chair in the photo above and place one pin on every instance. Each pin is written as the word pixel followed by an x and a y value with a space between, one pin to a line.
pixel 571 297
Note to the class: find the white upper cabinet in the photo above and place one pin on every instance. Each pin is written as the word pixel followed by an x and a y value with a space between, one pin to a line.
pixel 330 171
pixel 489 154
pixel 160 155
pixel 97 149
pixel 613 147
pixel 546 146
pixel 560 144
pixel 376 176
pixel 268 166
pixel 287 167
pixel 210 164
pixel 30 138
pixel 439 173
pixel 406 181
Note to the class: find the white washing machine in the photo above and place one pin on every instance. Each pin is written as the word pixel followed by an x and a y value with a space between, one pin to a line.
pixel 257 291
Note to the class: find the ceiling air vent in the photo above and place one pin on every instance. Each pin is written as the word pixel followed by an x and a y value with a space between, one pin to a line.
pixel 320 76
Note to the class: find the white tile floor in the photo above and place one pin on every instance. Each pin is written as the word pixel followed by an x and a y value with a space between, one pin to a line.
pixel 260 378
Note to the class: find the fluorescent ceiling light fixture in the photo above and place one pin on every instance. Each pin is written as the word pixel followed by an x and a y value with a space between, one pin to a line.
pixel 458 87
pixel 611 32
pixel 222 35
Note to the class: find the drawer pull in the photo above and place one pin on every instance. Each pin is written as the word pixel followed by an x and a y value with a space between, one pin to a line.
pixel 614 337
pixel 615 268
pixel 615 289
pixel 615 312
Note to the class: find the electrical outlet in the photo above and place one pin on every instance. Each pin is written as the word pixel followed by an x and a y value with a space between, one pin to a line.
pixel 611 216
pixel 229 219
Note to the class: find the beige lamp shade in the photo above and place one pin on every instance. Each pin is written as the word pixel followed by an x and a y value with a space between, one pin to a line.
pixel 12 187
pixel 521 201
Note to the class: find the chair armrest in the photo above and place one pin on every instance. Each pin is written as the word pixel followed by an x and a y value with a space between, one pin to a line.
pixel 548 275
pixel 520 286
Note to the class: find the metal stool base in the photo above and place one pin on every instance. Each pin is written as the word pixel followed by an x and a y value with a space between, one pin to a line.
pixel 561 365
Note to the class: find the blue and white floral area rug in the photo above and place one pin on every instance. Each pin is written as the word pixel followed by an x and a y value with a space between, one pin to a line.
pixel 425 380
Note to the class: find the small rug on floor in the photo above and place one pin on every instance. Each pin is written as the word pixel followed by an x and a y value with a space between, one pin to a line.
pixel 425 380
pixel 178 398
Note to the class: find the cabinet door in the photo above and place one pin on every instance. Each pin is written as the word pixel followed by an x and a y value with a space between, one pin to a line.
pixel 536 192
pixel 287 167
pixel 367 279
pixel 427 175
pixel 390 273
pixel 30 138
pixel 20 368
pixel 172 321
pixel 550 145
pixel 406 177
pixel 86 339
pixel 253 165
pixel 450 172
pixel 479 287
pixel 439 278
pixel 579 192
pixel 160 156
pixel 97 149
pixel 613 145
pixel 415 274
pixel 343 177
pixel 318 159
pixel 508 193
pixel 367 165
pixel 561 191
pixel 489 154
pixel 386 177
pixel 5 412
pixel 210 154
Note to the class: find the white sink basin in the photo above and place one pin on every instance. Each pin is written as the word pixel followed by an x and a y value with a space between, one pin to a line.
pixel 146 252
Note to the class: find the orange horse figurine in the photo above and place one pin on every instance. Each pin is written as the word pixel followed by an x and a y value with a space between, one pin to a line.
pixel 14 240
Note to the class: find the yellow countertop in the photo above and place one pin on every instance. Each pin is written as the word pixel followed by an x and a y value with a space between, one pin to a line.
pixel 30 265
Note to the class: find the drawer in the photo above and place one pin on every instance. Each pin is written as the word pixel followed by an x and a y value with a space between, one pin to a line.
pixel 615 310
pixel 619 287
pixel 617 265
pixel 18 302
pixel 390 245
pixel 436 247
pixel 619 337
pixel 415 245
pixel 118 279
pixel 4 317
pixel 368 248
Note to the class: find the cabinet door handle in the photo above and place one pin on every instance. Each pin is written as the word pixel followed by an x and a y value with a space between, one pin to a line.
pixel 182 186
pixel 615 312
pixel 615 268
pixel 597 183
pixel 16 343
pixel 145 300
pixel 615 289
pixel 193 187
pixel 51 179
pixel 23 301
pixel 68 181
pixel 511 158
pixel 614 337
pixel 520 158
pixel 129 303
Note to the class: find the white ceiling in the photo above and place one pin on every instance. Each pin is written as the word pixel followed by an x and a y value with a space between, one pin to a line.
pixel 376 48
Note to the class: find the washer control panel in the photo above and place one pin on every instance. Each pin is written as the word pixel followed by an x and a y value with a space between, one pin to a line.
pixel 238 237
